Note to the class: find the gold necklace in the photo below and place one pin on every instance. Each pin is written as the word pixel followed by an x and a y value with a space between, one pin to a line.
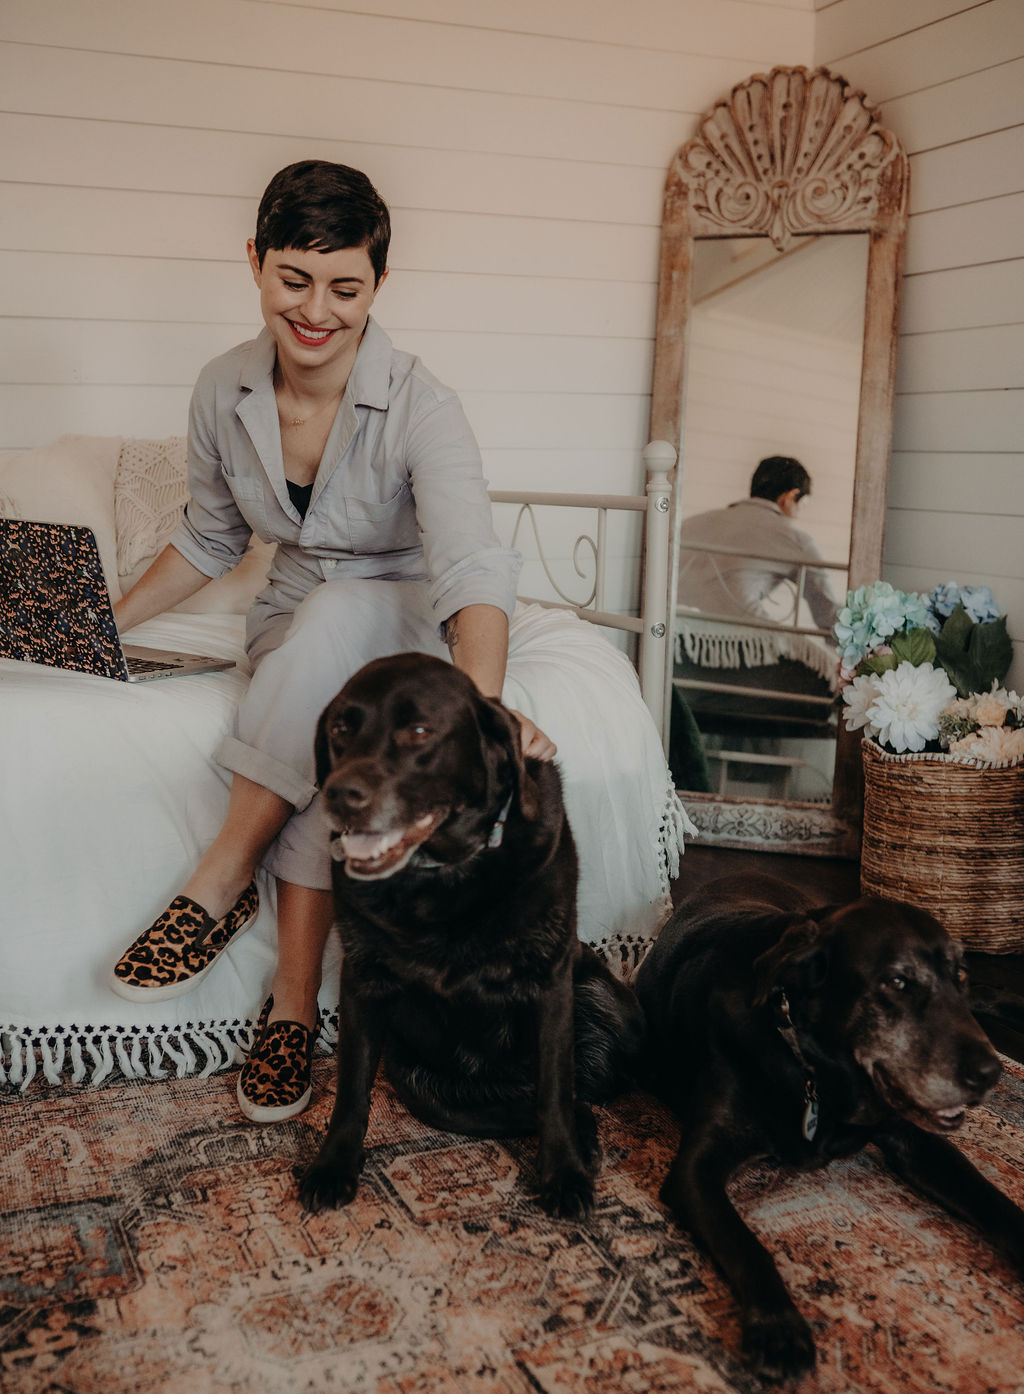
pixel 302 420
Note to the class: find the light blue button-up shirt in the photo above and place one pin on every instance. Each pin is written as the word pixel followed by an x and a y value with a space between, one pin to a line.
pixel 399 494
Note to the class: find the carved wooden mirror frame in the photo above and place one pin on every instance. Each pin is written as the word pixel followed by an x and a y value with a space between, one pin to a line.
pixel 787 154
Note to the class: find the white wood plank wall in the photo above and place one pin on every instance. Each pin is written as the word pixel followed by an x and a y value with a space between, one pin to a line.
pixel 949 77
pixel 522 145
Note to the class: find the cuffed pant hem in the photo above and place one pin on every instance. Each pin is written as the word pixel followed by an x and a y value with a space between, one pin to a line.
pixel 263 769
pixel 312 870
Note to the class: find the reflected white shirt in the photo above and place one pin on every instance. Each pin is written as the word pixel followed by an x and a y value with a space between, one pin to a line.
pixel 739 586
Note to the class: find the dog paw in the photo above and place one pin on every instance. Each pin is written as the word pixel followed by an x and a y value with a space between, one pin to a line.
pixel 569 1195
pixel 326 1187
pixel 779 1346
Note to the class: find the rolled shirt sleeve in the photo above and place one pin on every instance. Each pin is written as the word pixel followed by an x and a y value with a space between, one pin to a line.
pixel 466 563
pixel 212 535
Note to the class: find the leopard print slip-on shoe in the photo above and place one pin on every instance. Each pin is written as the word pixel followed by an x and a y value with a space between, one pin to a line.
pixel 179 948
pixel 275 1082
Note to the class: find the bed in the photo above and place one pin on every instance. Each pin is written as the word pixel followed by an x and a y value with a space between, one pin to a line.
pixel 110 792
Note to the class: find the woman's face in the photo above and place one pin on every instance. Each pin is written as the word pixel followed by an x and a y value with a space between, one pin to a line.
pixel 315 304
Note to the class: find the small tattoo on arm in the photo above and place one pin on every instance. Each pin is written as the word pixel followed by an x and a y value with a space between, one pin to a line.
pixel 451 632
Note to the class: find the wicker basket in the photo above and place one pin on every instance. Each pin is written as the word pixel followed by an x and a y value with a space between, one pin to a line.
pixel 947 834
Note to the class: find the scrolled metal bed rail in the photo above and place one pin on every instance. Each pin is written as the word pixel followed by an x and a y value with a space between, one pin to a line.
pixel 651 624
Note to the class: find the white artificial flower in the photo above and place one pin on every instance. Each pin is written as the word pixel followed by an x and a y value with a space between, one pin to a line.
pixel 859 696
pixel 906 709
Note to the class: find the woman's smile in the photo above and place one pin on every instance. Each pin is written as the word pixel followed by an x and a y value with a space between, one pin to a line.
pixel 307 335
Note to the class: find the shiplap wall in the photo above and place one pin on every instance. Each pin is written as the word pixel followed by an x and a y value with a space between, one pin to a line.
pixel 949 77
pixel 522 145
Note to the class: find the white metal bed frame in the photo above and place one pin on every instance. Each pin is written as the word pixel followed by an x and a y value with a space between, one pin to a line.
pixel 651 625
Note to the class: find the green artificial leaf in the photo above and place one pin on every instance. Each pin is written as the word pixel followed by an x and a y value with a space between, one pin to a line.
pixel 877 663
pixel 974 655
pixel 916 646
pixel 991 652
pixel 957 629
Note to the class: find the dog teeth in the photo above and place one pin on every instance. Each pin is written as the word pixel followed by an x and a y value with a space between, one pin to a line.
pixel 364 847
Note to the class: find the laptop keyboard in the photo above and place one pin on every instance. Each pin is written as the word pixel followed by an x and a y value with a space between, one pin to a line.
pixel 146 665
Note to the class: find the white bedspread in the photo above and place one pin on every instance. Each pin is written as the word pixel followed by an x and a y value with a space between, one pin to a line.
pixel 110 797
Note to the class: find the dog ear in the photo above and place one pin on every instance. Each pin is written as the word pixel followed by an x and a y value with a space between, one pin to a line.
pixel 500 729
pixel 322 749
pixel 798 958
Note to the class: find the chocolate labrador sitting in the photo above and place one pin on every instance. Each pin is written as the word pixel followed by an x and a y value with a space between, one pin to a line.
pixel 455 898
pixel 782 1029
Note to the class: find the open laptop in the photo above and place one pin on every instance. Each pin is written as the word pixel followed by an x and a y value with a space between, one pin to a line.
pixel 55 608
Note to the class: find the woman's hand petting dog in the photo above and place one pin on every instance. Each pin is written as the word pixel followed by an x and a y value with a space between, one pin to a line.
pixel 455 895
pixel 533 741
pixel 779 1028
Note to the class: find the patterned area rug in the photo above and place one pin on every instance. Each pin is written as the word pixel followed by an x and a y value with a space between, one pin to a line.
pixel 151 1241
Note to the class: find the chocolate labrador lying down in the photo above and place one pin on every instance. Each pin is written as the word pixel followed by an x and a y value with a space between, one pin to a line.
pixel 455 898
pixel 798 1032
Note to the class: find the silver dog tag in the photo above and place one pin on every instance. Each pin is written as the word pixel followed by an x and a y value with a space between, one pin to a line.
pixel 810 1123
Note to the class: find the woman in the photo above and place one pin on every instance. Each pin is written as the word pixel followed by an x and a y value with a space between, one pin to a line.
pixel 321 436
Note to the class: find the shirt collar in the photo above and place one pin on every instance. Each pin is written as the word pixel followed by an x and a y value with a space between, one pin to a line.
pixel 770 504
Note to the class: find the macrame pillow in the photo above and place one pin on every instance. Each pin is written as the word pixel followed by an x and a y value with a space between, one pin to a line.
pixel 150 491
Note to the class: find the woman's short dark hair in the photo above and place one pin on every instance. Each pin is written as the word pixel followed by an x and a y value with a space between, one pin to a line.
pixel 317 205
pixel 776 475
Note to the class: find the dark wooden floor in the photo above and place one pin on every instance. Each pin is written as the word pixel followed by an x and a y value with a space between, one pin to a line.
pixel 997 980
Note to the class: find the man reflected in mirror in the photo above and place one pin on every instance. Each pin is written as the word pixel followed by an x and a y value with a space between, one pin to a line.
pixel 763 550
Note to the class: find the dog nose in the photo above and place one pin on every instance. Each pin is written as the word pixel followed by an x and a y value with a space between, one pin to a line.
pixel 350 791
pixel 980 1069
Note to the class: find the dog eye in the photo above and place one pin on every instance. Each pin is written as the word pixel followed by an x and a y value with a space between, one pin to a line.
pixel 414 734
pixel 897 983
pixel 960 974
pixel 340 729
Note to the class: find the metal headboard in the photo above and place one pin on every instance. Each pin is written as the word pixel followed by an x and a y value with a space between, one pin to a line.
pixel 651 624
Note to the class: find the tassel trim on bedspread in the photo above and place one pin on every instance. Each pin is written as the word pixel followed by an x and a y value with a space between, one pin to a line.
pixel 90 1054
pixel 752 648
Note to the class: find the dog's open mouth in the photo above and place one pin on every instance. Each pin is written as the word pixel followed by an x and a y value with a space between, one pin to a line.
pixel 936 1120
pixel 370 856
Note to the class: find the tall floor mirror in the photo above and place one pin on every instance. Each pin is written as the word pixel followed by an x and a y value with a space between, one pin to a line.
pixel 781 250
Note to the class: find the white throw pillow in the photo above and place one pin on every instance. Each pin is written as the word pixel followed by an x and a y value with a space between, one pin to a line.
pixel 68 481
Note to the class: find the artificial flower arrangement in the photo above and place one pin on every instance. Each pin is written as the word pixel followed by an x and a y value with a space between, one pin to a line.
pixel 922 672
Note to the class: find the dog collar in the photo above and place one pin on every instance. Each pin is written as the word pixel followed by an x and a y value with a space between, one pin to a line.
pixel 809 1123
pixel 494 839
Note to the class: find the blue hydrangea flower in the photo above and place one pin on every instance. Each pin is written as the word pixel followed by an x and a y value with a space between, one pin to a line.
pixel 873 614
pixel 976 600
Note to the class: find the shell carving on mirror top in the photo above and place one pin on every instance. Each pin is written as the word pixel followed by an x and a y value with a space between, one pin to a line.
pixel 790 153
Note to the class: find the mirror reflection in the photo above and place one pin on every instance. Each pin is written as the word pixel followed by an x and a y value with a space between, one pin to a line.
pixel 765 513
